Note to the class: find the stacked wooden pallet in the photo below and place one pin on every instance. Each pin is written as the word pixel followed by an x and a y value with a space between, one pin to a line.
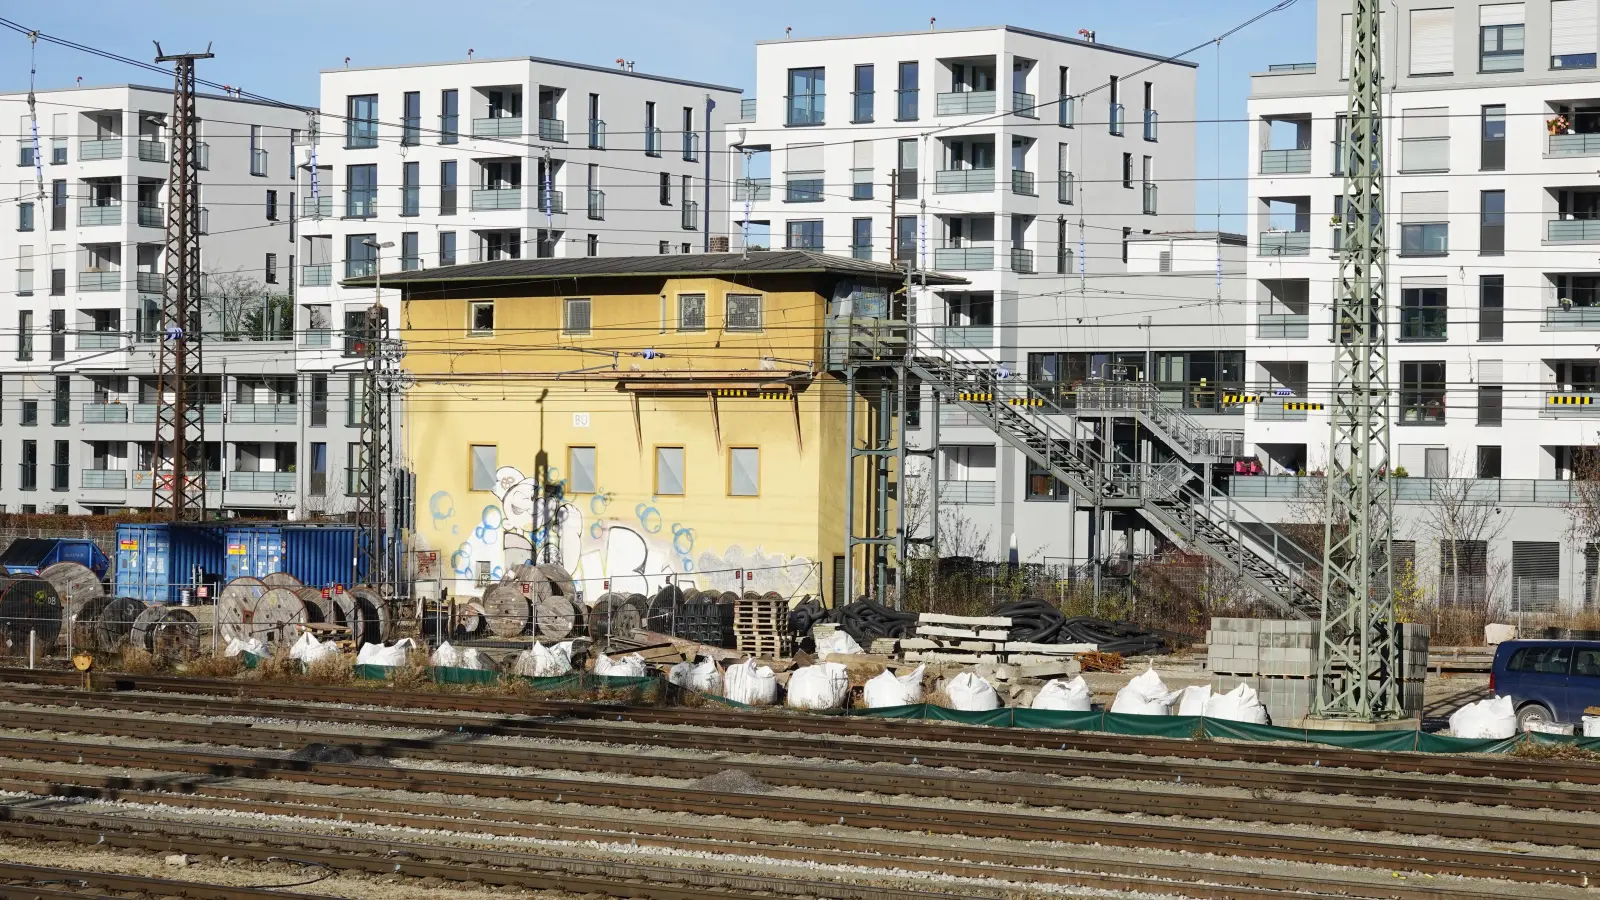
pixel 761 626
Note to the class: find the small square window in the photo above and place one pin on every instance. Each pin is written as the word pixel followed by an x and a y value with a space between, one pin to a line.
pixel 483 466
pixel 669 471
pixel 577 319
pixel 744 472
pixel 691 312
pixel 580 470
pixel 744 312
pixel 480 316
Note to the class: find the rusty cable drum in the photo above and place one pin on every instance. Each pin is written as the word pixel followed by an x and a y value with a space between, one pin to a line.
pixel 236 606
pixel 166 631
pixel 115 622
pixel 469 618
pixel 662 612
pixel 317 609
pixel 601 612
pixel 280 617
pixel 377 621
pixel 507 609
pixel 73 582
pixel 728 597
pixel 28 605
pixel 281 580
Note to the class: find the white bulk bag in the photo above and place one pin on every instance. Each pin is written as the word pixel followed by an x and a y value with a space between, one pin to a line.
pixel 971 693
pixel 446 657
pixel 1495 718
pixel 1192 700
pixel 630 666
pixel 309 650
pixel 750 684
pixel 540 661
pixel 838 642
pixel 1591 726
pixel 703 677
pixel 1068 696
pixel 889 689
pixel 1145 695
pixel 252 646
pixel 385 655
pixel 470 658
pixel 1238 705
pixel 821 686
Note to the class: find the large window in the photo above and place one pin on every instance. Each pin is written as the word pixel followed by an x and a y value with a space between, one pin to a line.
pixel 447 188
pixel 1423 313
pixel 861 238
pixel 360 258
pixel 1491 411
pixel 28 474
pixel 1463 572
pixel 361 192
pixel 410 189
pixel 1198 379
pixel 1491 307
pixel 411 123
pixel 410 252
pixel 906 96
pixel 804 234
pixel 807 92
pixel 449 117
pixel 1500 38
pixel 691 312
pixel 1492 144
pixel 862 98
pixel 743 312
pixel 1422 393
pixel 361 124
pixel 447 248
pixel 1492 222
pixel 1572 34
pixel 1425 239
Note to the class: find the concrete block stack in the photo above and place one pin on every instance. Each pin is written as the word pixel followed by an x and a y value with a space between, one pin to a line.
pixel 1277 658
pixel 1414 645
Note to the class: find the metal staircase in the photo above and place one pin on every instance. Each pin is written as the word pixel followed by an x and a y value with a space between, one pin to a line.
pixel 1141 401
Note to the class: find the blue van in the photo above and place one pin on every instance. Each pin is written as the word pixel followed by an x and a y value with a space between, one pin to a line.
pixel 1548 681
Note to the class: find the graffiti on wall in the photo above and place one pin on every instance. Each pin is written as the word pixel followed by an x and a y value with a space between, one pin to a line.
pixel 602 540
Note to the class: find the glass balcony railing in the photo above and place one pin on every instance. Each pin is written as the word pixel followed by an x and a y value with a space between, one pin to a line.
pixel 258 161
pixel 1572 230
pixel 145 480
pixel 1065 188
pixel 1067 111
pixel 1024 105
pixel 449 129
pixel 1021 261
pixel 747 109
pixel 691 146
pixel 752 189
pixel 1572 318
pixel 149 282
pixel 597 134
pixel 1571 403
pixel 202 155
pixel 103 479
pixel 100 280
pixel 317 207
pixel 963 181
pixel 965 258
pixel 806 109
pixel 99 340
pixel 1151 120
pixel 105 413
pixel 497 126
pixel 262 414
pixel 1151 192
pixel 1114 119
pixel 1574 145
pixel 316 337
pixel 967 493
pixel 905 104
pixel 152 151
pixel 1284 243
pixel 552 202
pixel 316 276
pixel 691 215
pixel 965 103
pixel 552 130
pixel 263 482
pixel 1283 326
pixel 151 215
pixel 1023 183
pixel 965 337
pixel 652 142
pixel 497 198
pixel 107 148
pixel 145 413
pixel 109 214
pixel 1286 162
pixel 597 204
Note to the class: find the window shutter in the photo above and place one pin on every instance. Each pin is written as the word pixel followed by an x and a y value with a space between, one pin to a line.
pixel 805 158
pixel 1431 122
pixel 1432 41
pixel 1573 27
pixel 1500 14
pixel 578 315
pixel 1344 47
pixel 863 154
pixel 1491 371
pixel 1424 206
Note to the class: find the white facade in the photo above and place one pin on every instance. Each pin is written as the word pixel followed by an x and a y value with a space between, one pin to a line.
pixel 82 305
pixel 1491 209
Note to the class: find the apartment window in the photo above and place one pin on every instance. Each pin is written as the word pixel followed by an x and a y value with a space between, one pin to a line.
pixel 591 245
pixel 1422 388
pixel 807 91
pixel 1425 239
pixel 1432 41
pixel 744 471
pixel 480 317
pixel 28 474
pixel 1127 170
pixel 576 317
pixel 652 136
pixel 25 216
pixel 319 400
pixel 669 471
pixel 664 194
pixel 447 248
pixel 410 255
pixel 1491 307
pixel 1492 143
pixel 58 205
pixel 861 99
pixel 1500 37
pixel 482 459
pixel 861 238
pixel 1491 404
pixel 743 312
pixel 447 188
pixel 1423 313
pixel 361 192
pixel 61 469
pixel 449 117
pixel 684 248
pixel 1572 34
pixel 24 335
pixel 61 407
pixel 411 124
pixel 30 412
pixel 691 312
pixel 410 189
pixel 58 334
pixel 317 483
pixel 272 206
pixel 270 269
pixel 359 258
pixel 1127 234
pixel 361 121
pixel 1489 461
pixel 906 95
pixel 581 470
pixel 804 234
pixel 664 247
pixel 1492 223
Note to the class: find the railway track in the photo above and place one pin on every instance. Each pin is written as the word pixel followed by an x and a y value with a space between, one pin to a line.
pixel 20 882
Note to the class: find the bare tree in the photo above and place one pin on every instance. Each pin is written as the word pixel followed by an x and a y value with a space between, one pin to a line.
pixel 1583 510
pixel 236 306
pixel 1462 526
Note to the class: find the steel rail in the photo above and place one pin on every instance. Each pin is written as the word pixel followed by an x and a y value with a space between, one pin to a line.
pixel 23 881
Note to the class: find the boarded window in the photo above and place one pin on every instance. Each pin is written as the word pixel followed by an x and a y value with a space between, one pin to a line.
pixel 691 312
pixel 483 466
pixel 744 471
pixel 580 470
pixel 744 312
pixel 577 316
pixel 669 470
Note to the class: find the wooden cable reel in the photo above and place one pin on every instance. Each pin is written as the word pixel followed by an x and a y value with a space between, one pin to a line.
pixel 73 582
pixel 506 608
pixel 281 580
pixel 374 614
pixel 236 606
pixel 115 622
pixel 166 631
pixel 317 609
pixel 280 617
pixel 80 620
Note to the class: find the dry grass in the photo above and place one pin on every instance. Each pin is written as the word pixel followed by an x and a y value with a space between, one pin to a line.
pixel 1100 662
pixel 136 661
pixel 213 666
pixel 337 669
pixel 1549 750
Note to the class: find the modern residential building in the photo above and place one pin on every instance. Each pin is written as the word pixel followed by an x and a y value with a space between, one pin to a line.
pixel 82 309
pixel 1492 126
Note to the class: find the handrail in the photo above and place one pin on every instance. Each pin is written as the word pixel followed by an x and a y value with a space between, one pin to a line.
pixel 1110 393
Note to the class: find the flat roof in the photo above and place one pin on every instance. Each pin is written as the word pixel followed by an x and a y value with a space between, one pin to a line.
pixel 677 265
pixel 160 90
pixel 609 70
pixel 1225 237
pixel 1061 38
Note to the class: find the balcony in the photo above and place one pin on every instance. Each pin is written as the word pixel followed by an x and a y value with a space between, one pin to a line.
pixel 802 187
pixel 1560 230
pixel 497 126
pixel 965 103
pixel 258 162
pixel 747 109
pixel 497 198
pixel 99 340
pixel 316 276
pixel 1021 261
pixel 652 142
pixel 317 207
pixel 1150 194
pixel 1024 105
pixel 145 480
pixel 92 151
pixel 966 337
pixel 1114 117
pixel 264 482
pixel 151 215
pixel 1430 154
pixel 1487 491
pixel 1282 326
pixel 1151 120
pixel 552 202
pixel 98 280
pixel 1574 145
pixel 152 151
pixel 806 109
pixel 970 493
pixel 963 181
pixel 1065 191
pixel 149 283
pixel 262 414
pixel 1067 111
pixel 1286 162
pixel 1571 404
pixel 145 413
pixel 1023 183
pixel 105 413
pixel 1576 318
pixel 103 479
pixel 90 216
pixel 961 259
pixel 316 337
pixel 202 156
pixel 597 134
pixel 691 146
pixel 1284 243
pixel 1274 409
pixel 597 204
pixel 552 130
pixel 691 215
pixel 752 189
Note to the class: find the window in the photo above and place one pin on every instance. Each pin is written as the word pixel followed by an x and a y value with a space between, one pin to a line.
pixel 1492 143
pixel 1491 223
pixel 1491 308
pixel 1491 406
pixel 361 192
pixel 447 248
pixel 361 125
pixel 1432 41
pixel 669 471
pixel 1541 660
pixel 319 400
pixel 1489 461
pixel 271 269
pixel 410 255
pixel 576 319
pixel 1587 663
pixel 449 117
pixel 744 471
pixel 743 313
pixel 411 121
pixel 61 407
pixel 317 483
pixel 272 206
pixel 483 466
pixel 861 238
pixel 410 189
pixel 664 247
pixel 24 335
pixel 804 234
pixel 29 466
pixel 359 258
pixel 807 91
pixel 1572 34
pixel 1500 37
pixel 591 245
pixel 1127 170
pixel 58 334
pixel 447 187
pixel 480 317
pixel 30 412
pixel 906 97
pixel 1463 572
pixel 25 216
pixel 665 190
pixel 1127 233
pixel 58 205
pixel 1422 387
pixel 1425 239
pixel 691 312
pixel 652 140
pixel 861 100
pixel 1535 576
pixel 581 470
pixel 61 470
pixel 906 170
pixel 1423 314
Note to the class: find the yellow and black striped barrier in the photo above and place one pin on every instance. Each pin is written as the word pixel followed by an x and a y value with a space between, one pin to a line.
pixel 750 392
pixel 1025 401
pixel 1298 406
pixel 1571 400
pixel 1228 399
pixel 970 397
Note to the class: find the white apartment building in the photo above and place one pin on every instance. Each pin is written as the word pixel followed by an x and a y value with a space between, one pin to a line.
pixel 82 312
pixel 1492 126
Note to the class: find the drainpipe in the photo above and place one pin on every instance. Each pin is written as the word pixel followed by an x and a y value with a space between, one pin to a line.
pixel 705 152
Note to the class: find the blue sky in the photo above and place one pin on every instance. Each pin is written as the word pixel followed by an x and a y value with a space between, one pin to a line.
pixel 276 49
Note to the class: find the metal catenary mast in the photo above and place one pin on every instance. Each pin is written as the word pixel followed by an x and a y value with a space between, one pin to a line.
pixel 1359 644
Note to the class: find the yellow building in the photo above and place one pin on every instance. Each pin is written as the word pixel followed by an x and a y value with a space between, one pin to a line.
pixel 681 403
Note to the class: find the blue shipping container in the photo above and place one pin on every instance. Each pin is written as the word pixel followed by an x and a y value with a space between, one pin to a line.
pixel 26 556
pixel 255 550
pixel 156 563
pixel 318 555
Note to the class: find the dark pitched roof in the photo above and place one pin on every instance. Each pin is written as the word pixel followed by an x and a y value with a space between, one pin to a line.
pixel 677 265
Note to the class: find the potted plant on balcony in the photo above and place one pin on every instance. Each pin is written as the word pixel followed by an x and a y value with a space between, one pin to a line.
pixel 1558 125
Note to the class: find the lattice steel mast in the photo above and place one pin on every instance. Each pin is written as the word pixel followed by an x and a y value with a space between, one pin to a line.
pixel 1359 644
pixel 180 424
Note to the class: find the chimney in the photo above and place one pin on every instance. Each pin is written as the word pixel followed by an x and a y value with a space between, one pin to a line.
pixel 719 243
